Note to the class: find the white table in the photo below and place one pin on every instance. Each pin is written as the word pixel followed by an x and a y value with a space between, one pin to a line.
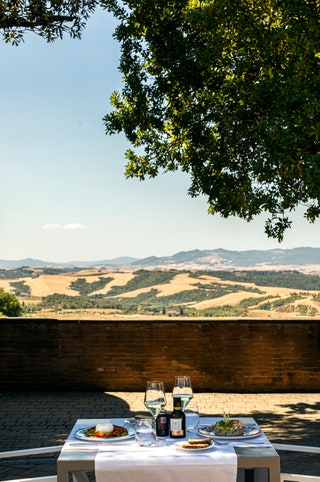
pixel 260 463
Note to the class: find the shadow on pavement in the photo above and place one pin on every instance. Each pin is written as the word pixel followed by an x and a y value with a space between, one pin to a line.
pixel 39 419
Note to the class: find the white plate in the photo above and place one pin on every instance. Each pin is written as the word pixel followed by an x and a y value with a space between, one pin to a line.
pixel 82 436
pixel 249 433
pixel 178 446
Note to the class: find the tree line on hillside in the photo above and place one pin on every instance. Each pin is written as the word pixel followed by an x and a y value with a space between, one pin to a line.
pixel 143 279
pixel 27 272
pixel 280 279
pixel 149 304
pixel 84 288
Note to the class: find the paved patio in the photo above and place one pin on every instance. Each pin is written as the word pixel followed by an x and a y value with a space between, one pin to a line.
pixel 41 418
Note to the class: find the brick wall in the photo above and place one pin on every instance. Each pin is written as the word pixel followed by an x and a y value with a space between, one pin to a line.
pixel 220 355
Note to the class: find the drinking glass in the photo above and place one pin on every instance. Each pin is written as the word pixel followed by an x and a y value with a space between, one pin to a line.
pixel 183 389
pixel 145 433
pixel 192 416
pixel 154 398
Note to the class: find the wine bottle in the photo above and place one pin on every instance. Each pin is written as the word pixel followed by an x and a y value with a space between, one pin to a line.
pixel 162 423
pixel 177 420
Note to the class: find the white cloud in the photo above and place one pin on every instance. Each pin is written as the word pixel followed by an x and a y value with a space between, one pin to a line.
pixel 70 226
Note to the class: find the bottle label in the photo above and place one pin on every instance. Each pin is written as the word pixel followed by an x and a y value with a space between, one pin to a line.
pixel 176 426
pixel 163 425
pixel 163 422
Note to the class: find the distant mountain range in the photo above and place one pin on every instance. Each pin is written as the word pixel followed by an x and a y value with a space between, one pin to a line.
pixel 301 259
pixel 38 263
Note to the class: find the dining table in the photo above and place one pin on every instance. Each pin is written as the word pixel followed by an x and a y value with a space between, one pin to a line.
pixel 238 459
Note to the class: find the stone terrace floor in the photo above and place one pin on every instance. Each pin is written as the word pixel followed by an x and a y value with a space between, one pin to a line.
pixel 44 418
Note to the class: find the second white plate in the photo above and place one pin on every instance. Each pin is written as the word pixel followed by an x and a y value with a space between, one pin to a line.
pixel 178 446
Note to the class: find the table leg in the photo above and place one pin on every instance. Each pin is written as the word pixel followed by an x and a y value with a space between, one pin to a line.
pixel 62 473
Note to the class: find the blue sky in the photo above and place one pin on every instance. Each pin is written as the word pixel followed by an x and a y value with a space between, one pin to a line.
pixel 63 192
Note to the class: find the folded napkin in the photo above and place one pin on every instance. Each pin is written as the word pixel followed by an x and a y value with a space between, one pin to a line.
pixel 262 440
pixel 128 461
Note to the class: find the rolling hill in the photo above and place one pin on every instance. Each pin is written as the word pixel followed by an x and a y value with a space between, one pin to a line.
pixel 102 292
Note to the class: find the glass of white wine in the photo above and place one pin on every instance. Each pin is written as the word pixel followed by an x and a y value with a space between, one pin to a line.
pixel 154 401
pixel 183 389
pixel 154 398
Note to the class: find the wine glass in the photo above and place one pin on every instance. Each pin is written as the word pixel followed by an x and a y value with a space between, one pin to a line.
pixel 192 416
pixel 183 389
pixel 154 398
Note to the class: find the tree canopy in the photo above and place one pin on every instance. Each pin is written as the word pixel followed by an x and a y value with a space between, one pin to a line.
pixel 9 304
pixel 49 19
pixel 227 91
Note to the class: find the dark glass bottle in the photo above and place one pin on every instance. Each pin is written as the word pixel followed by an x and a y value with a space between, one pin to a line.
pixel 162 424
pixel 177 420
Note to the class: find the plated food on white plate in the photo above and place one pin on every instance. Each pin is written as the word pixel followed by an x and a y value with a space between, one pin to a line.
pixel 229 428
pixel 104 431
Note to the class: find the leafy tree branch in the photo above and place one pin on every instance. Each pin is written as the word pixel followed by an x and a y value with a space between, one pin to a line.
pixel 49 19
pixel 229 92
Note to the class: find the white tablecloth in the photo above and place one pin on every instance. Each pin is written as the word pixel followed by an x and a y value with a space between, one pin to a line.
pixel 131 462
pixel 127 460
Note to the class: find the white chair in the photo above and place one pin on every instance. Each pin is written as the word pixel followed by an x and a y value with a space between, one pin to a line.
pixel 31 452
pixel 297 448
